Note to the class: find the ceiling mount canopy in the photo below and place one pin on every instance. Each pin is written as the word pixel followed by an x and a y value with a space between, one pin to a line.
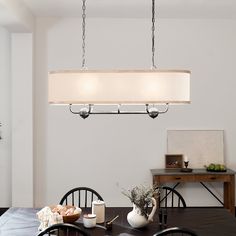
pixel 121 87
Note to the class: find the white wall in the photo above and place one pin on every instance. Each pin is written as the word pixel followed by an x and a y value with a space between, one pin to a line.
pixel 16 111
pixel 15 16
pixel 5 119
pixel 22 119
pixel 109 153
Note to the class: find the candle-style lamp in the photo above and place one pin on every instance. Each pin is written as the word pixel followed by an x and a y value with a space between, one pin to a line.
pixel 186 169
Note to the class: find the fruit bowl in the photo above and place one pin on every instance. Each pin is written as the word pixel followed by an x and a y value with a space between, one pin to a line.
pixel 216 168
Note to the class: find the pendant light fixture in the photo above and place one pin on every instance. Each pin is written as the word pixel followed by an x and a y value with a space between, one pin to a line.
pixel 91 88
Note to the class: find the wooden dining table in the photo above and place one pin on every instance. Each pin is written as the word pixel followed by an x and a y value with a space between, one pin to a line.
pixel 204 221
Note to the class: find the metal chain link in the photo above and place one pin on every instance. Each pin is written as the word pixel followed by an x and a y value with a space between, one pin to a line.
pixel 84 36
pixel 153 35
pixel 83 33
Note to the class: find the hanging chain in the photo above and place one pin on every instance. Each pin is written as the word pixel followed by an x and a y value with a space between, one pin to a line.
pixel 83 33
pixel 153 35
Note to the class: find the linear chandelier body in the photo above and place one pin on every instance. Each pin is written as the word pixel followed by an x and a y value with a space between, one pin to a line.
pixel 120 87
pixel 126 87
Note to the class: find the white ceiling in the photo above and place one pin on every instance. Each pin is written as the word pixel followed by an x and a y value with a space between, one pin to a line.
pixel 135 8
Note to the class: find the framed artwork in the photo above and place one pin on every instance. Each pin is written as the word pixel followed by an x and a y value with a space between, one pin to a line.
pixel 201 147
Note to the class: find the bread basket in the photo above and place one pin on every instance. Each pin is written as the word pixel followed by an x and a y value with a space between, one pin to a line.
pixel 69 218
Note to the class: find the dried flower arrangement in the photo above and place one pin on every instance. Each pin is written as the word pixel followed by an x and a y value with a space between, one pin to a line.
pixel 142 197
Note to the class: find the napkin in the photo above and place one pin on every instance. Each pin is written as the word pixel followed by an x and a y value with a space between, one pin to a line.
pixel 48 218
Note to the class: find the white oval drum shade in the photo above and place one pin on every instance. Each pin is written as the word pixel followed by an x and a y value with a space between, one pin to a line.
pixel 119 87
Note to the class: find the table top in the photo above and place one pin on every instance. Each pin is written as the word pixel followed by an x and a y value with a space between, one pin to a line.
pixel 194 172
pixel 204 221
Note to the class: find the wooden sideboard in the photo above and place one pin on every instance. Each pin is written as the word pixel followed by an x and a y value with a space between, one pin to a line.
pixel 162 176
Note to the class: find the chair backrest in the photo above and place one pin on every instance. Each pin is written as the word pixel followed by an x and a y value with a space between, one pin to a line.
pixel 169 197
pixel 63 230
pixel 176 231
pixel 81 197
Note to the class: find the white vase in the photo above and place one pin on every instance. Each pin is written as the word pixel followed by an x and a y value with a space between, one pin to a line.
pixel 137 220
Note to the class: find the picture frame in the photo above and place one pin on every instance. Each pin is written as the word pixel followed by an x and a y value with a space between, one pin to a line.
pixel 202 147
pixel 173 161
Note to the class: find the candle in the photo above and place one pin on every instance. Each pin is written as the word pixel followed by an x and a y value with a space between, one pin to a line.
pixel 185 159
pixel 98 208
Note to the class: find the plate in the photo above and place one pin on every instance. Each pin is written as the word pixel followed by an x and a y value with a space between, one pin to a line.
pixel 216 170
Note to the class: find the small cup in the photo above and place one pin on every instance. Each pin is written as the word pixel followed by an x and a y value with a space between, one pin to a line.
pixel 89 220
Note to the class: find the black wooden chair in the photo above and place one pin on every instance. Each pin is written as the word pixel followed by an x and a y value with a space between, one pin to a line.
pixel 170 197
pixel 176 231
pixel 81 197
pixel 63 230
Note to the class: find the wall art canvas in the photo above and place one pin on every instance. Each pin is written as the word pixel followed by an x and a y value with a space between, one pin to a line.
pixel 201 147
